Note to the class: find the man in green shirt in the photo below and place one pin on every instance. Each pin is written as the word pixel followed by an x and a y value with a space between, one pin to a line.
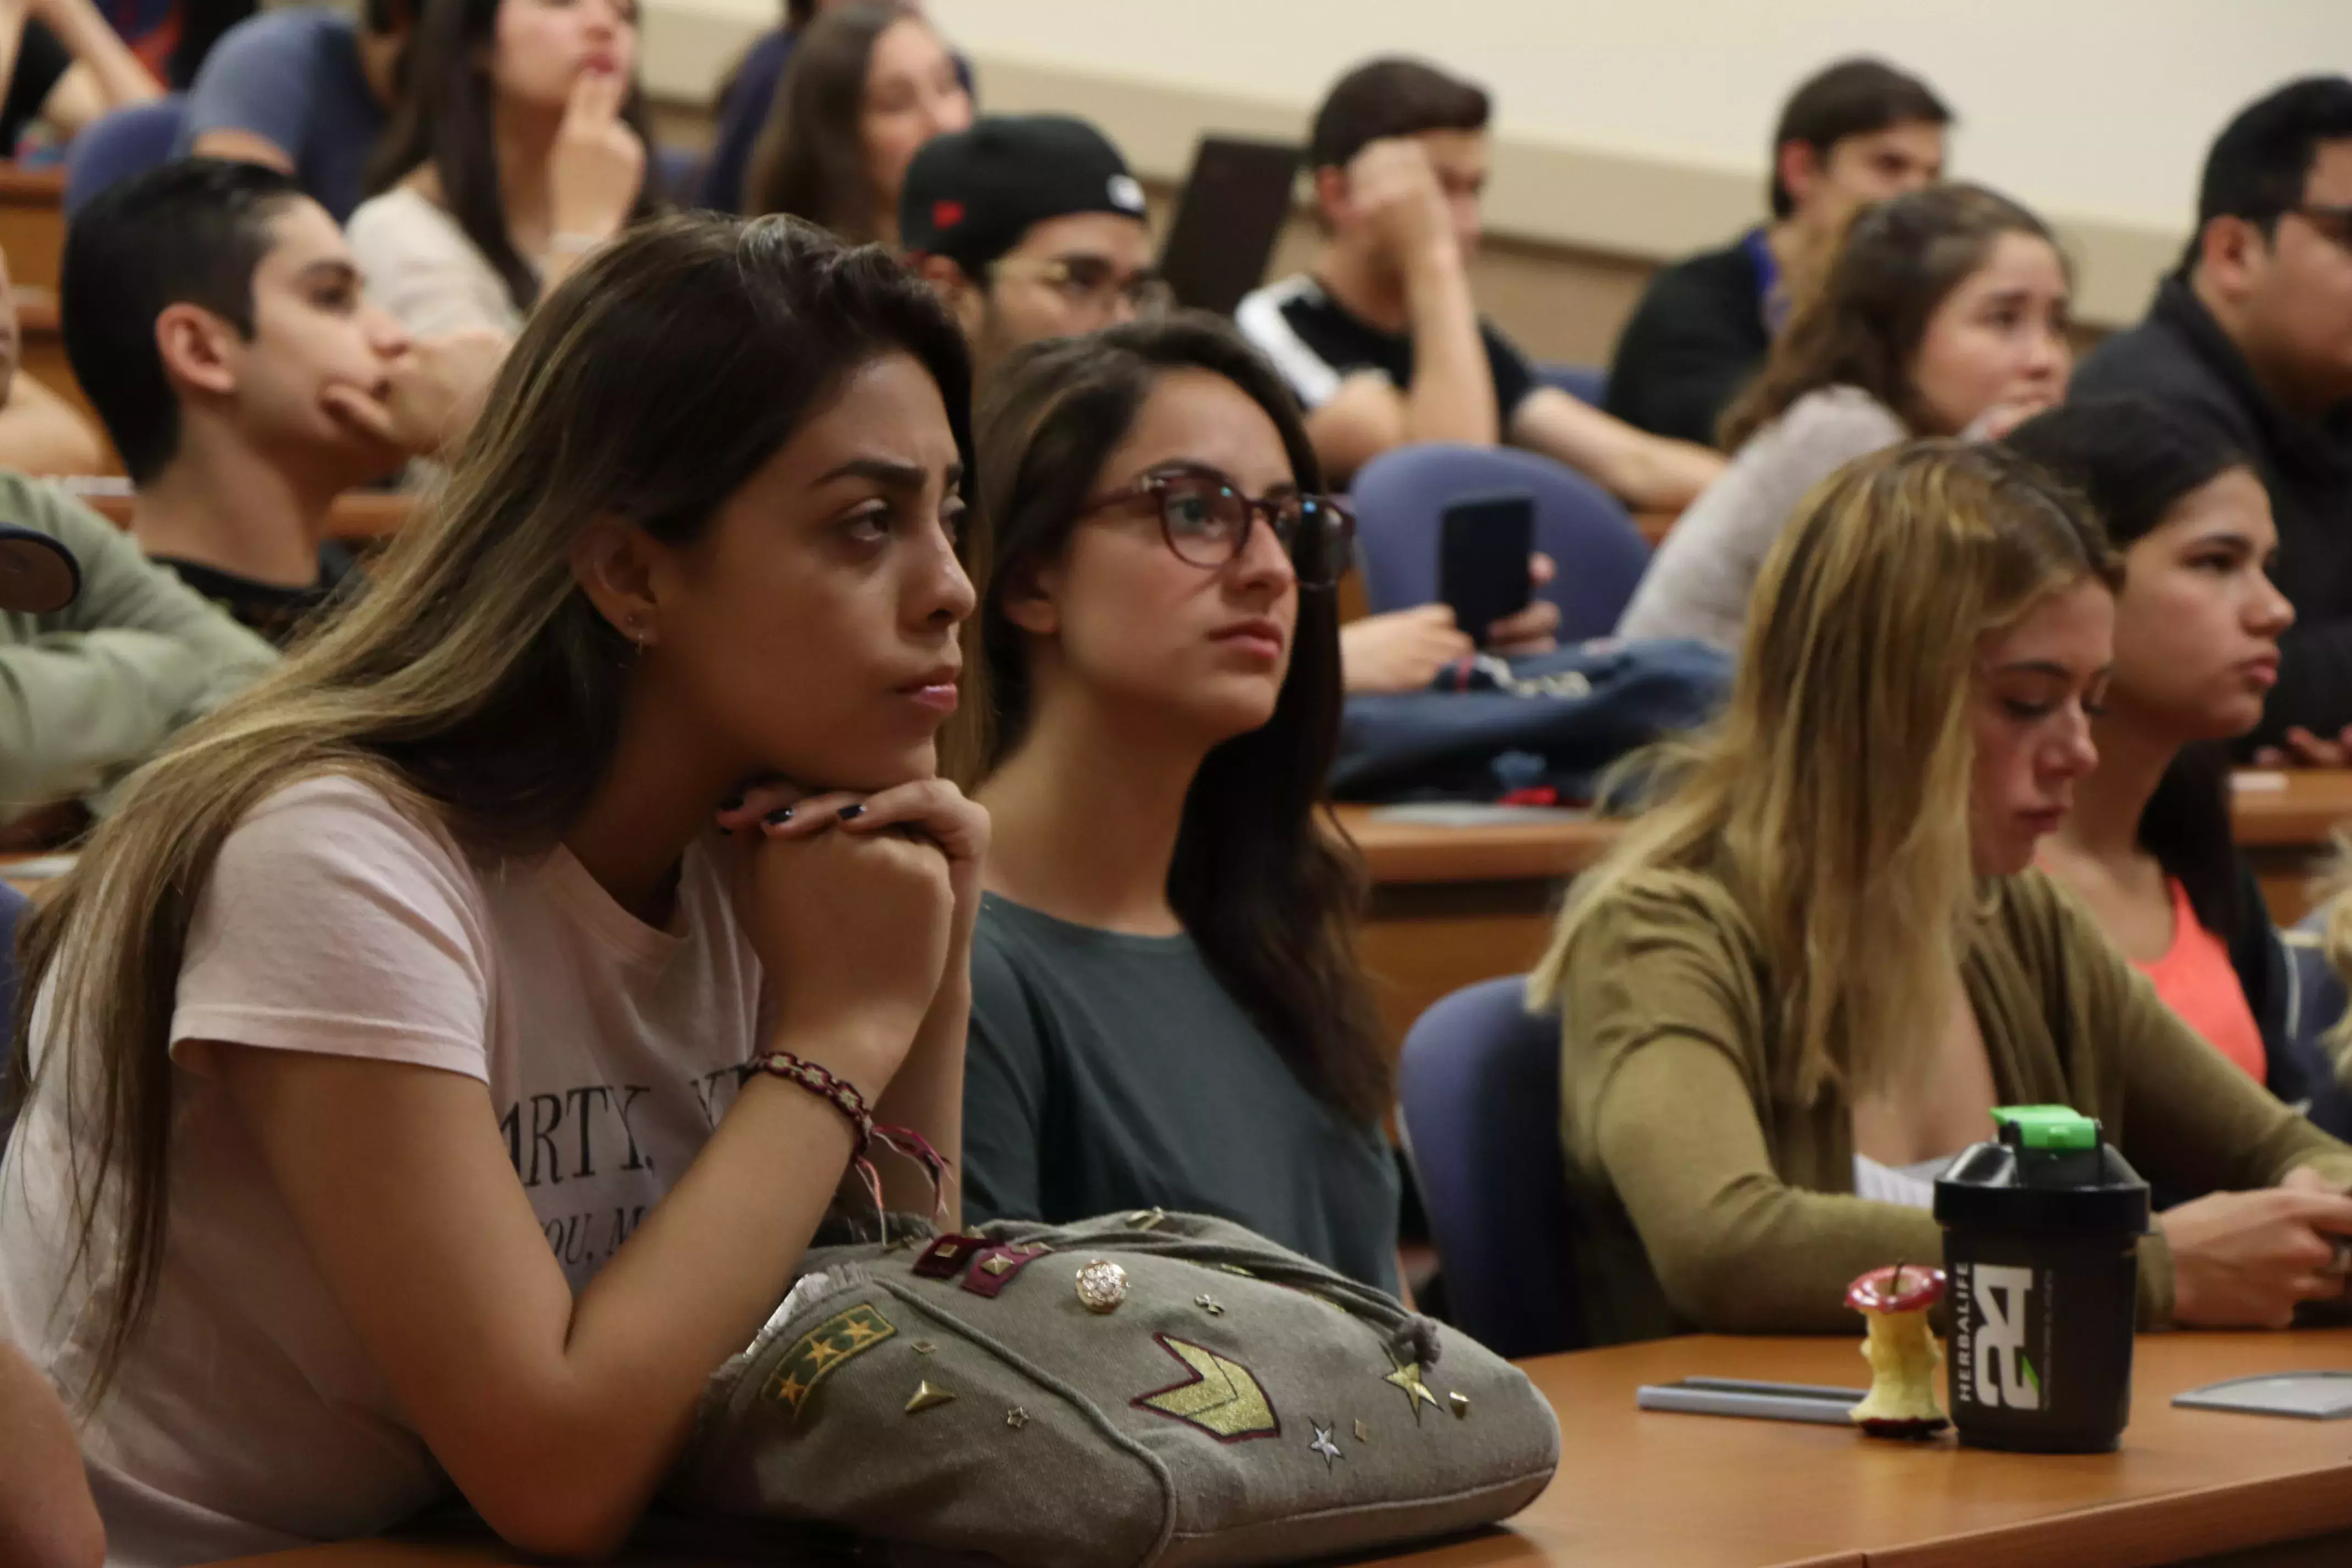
pixel 91 689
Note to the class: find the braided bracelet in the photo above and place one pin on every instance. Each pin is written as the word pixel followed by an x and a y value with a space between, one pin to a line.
pixel 904 1141
pixel 841 1094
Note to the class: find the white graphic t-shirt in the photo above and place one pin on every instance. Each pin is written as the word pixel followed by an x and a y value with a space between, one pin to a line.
pixel 247 1416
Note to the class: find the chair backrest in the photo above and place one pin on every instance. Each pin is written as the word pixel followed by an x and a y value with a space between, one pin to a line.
pixel 1400 500
pixel 1479 1090
pixel 123 143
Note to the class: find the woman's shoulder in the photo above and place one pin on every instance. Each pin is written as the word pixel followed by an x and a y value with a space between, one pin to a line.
pixel 1687 906
pixel 340 827
pixel 405 219
pixel 1835 418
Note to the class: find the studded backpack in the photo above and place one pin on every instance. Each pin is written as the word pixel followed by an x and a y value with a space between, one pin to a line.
pixel 1146 1388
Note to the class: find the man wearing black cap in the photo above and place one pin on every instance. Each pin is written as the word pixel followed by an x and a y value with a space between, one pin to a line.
pixel 1029 226
pixel 1032 227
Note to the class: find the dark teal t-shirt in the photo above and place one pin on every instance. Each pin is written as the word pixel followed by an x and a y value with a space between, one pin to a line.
pixel 1108 1071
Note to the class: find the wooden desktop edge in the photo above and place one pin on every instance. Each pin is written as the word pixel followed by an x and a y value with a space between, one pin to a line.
pixel 21 186
pixel 362 514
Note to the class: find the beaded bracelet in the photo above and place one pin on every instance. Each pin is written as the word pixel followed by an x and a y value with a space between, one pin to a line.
pixel 843 1096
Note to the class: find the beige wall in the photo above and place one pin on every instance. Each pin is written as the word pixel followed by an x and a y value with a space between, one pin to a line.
pixel 1631 132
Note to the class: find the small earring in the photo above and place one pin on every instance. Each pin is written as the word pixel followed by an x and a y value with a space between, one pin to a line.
pixel 633 626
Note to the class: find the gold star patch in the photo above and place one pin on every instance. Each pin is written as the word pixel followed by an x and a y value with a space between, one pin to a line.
pixel 1407 1378
pixel 1222 1397
pixel 817 1353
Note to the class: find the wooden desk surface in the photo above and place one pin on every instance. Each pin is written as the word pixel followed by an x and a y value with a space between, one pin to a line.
pixel 358 515
pixel 1540 844
pixel 2300 808
pixel 1692 1491
pixel 2268 810
pixel 32 223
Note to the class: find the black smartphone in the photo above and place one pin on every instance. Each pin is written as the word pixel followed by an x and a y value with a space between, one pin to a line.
pixel 1482 559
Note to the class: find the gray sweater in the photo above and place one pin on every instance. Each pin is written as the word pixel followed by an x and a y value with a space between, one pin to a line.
pixel 1699 581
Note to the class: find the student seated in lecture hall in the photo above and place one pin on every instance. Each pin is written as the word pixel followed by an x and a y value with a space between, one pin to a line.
pixel 1032 227
pixel 518 150
pixel 1381 337
pixel 40 432
pixel 2149 847
pixel 1858 131
pixel 1167 924
pixel 749 92
pixel 868 85
pixel 306 90
pixel 512 827
pixel 2252 337
pixel 1804 977
pixel 98 687
pixel 64 66
pixel 1944 312
pixel 214 316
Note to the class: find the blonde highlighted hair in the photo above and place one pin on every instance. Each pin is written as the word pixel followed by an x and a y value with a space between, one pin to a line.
pixel 1832 794
pixel 474 684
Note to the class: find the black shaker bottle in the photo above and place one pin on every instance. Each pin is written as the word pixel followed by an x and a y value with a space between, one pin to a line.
pixel 2039 1235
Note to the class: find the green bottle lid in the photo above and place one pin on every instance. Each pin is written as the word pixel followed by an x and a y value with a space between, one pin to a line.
pixel 2049 1126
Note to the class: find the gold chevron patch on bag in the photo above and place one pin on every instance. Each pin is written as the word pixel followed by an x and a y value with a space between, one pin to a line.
pixel 1222 1397
pixel 812 1359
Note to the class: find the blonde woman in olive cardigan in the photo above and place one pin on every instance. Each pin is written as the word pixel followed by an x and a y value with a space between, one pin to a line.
pixel 1804 979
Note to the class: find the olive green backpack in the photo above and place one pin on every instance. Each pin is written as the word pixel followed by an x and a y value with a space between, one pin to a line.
pixel 1147 1388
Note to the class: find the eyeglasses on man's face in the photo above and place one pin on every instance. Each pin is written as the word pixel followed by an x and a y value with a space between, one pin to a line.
pixel 1093 284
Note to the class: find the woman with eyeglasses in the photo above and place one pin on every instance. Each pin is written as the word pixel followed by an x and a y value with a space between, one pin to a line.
pixel 1167 1010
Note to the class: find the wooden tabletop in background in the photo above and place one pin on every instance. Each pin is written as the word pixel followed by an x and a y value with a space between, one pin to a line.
pixel 2299 809
pixel 1640 1488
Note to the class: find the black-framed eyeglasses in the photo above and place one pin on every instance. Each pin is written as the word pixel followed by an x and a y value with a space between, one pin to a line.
pixel 1206 522
pixel 2333 222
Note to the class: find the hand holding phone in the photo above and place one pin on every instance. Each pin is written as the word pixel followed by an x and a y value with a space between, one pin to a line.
pixel 1482 566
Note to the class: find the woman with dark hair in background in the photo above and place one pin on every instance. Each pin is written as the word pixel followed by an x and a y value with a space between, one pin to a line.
pixel 425 1062
pixel 518 150
pixel 748 94
pixel 1166 1005
pixel 2147 846
pixel 1944 312
pixel 870 83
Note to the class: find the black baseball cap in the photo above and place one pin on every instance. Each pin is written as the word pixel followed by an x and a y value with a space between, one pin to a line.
pixel 970 195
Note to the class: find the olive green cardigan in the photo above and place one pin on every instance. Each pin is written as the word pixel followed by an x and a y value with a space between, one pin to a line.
pixel 1702 1201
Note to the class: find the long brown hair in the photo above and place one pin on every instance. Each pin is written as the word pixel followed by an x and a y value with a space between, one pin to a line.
pixel 810 159
pixel 446 117
pixel 1265 893
pixel 475 684
pixel 1861 324
pixel 1833 796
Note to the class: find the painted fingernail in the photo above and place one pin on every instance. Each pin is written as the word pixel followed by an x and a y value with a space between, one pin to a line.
pixel 851 812
pixel 779 816
pixel 732 803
